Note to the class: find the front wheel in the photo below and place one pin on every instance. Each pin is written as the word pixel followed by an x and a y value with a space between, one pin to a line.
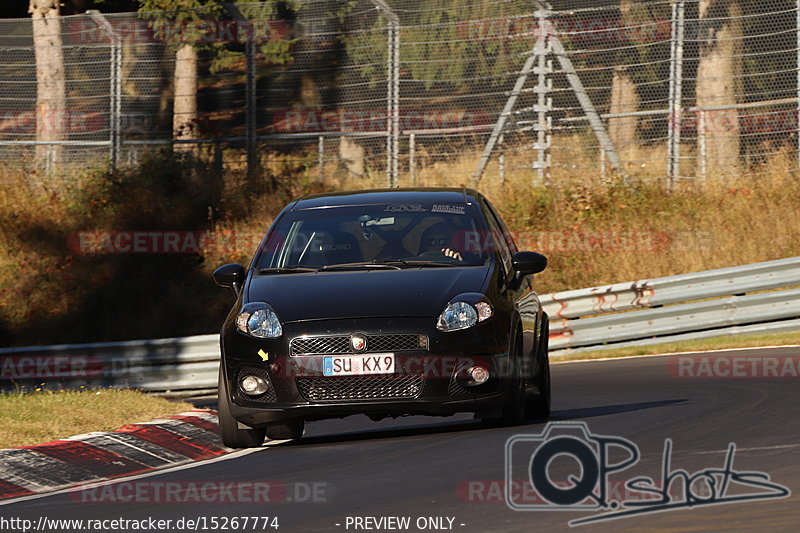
pixel 540 406
pixel 515 408
pixel 229 431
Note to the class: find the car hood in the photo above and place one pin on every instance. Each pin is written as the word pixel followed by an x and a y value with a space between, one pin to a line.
pixel 364 293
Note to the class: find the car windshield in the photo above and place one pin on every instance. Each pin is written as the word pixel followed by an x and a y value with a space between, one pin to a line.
pixel 388 236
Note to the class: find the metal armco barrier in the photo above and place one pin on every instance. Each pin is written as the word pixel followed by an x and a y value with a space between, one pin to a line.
pixel 184 366
pixel 690 306
pixel 672 289
pixel 669 309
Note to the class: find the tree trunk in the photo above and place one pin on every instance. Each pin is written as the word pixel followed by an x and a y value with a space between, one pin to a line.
pixel 624 99
pixel 184 112
pixel 352 155
pixel 51 117
pixel 718 83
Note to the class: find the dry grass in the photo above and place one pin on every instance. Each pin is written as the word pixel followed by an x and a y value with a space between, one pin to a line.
pixel 599 229
pixel 85 297
pixel 595 230
pixel 34 418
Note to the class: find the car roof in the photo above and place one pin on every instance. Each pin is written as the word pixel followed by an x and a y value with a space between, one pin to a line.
pixel 460 196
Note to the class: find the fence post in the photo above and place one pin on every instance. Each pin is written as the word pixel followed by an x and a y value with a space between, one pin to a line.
pixel 115 89
pixel 392 92
pixel 675 93
pixel 251 124
pixel 544 101
pixel 321 158
pixel 501 160
pixel 602 158
pixel 412 163
pixel 701 145
pixel 393 118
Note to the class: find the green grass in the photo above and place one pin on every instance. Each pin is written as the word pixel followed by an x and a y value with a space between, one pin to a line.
pixel 37 417
pixel 718 343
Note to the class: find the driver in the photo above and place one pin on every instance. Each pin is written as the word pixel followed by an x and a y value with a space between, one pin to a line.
pixel 438 238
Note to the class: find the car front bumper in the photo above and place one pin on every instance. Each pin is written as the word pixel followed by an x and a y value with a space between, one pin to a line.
pixel 426 380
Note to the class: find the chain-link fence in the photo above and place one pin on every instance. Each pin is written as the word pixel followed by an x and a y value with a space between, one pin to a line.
pixel 401 92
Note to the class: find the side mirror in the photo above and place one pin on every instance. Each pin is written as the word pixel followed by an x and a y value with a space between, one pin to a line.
pixel 231 276
pixel 528 263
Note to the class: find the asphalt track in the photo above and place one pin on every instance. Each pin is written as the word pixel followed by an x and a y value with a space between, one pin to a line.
pixel 449 467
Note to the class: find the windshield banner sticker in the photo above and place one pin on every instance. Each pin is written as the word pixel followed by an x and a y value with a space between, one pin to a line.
pixel 444 208
pixel 406 208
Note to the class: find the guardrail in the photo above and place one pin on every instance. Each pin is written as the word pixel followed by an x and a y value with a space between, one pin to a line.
pixel 687 306
pixel 706 304
pixel 185 366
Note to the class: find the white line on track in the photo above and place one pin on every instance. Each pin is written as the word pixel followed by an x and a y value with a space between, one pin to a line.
pixel 670 354
pixel 754 449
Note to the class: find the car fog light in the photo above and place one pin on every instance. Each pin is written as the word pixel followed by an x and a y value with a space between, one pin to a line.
pixel 478 374
pixel 253 385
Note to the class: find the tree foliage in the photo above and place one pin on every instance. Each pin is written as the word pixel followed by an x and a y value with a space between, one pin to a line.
pixel 457 40
pixel 185 20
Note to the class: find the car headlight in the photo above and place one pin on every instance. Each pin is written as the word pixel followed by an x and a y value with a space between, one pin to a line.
pixel 259 320
pixel 461 315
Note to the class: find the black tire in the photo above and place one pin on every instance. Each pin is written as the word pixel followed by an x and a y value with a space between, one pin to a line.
pixel 539 406
pixel 291 429
pixel 514 410
pixel 229 431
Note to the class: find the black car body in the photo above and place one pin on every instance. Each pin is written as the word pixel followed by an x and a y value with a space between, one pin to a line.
pixel 385 303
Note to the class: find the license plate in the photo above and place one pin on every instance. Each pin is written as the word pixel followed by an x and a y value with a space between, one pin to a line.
pixel 358 365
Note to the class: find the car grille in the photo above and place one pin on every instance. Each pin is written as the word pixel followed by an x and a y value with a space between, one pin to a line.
pixel 355 388
pixel 402 342
pixel 267 397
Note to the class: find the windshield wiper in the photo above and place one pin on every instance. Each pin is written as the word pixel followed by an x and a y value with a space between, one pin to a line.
pixel 397 264
pixel 394 264
pixel 363 264
pixel 288 269
pixel 424 263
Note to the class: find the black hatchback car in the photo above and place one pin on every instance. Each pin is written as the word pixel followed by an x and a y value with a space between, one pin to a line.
pixel 385 303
